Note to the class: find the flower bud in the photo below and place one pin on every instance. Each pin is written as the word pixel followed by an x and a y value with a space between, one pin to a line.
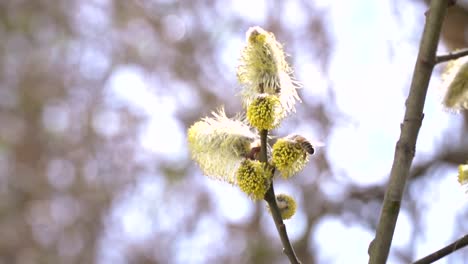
pixel 253 179
pixel 265 112
pixel 263 69
pixel 455 84
pixel 463 174
pixel 286 205
pixel 219 144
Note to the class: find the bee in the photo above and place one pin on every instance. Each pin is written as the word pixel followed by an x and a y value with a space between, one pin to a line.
pixel 254 153
pixel 303 143
pixel 286 205
pixel 276 87
pixel 282 202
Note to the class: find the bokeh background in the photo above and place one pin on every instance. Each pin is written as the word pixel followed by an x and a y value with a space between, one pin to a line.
pixel 96 97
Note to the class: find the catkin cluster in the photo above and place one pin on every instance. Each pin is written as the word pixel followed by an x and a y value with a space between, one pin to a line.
pixel 227 149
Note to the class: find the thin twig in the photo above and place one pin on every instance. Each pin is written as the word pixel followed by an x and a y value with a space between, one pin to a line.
pixel 406 145
pixel 275 212
pixel 451 56
pixel 460 243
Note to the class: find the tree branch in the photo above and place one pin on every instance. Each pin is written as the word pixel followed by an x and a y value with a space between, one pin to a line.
pixel 460 243
pixel 405 147
pixel 451 56
pixel 270 198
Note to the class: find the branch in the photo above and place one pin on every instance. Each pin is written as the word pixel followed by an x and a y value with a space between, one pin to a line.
pixel 451 56
pixel 460 243
pixel 270 198
pixel 405 147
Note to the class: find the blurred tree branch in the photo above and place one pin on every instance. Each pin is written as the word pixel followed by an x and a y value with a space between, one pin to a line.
pixel 460 243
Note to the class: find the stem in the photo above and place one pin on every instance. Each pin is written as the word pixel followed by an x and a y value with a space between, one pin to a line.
pixel 270 198
pixel 460 243
pixel 263 146
pixel 451 56
pixel 405 147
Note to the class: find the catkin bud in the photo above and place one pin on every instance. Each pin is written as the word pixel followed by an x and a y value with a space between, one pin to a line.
pixel 265 112
pixel 286 205
pixel 253 179
pixel 455 84
pixel 263 69
pixel 463 174
pixel 219 144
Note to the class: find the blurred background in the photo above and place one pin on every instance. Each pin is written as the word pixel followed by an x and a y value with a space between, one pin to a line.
pixel 96 97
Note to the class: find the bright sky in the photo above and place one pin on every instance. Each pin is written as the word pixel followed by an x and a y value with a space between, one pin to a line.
pixel 367 79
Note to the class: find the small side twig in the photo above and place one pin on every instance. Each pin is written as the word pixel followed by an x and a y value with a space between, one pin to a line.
pixel 270 198
pixel 433 257
pixel 451 56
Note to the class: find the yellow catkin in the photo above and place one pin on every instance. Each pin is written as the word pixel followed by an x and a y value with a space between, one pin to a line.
pixel 265 112
pixel 289 157
pixel 463 174
pixel 455 85
pixel 253 179
pixel 286 205
pixel 263 69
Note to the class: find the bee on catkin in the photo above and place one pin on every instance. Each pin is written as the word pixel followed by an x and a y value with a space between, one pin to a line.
pixel 286 205
pixel 304 143
pixel 291 154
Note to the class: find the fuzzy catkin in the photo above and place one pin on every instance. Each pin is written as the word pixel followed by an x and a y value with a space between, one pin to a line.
pixel 218 145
